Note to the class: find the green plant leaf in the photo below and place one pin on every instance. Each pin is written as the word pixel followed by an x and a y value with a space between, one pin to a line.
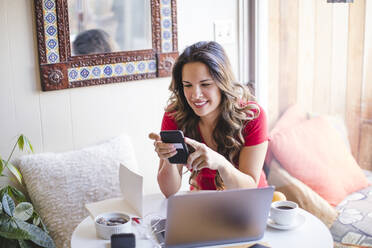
pixel 16 194
pixel 2 165
pixel 1 208
pixel 29 145
pixel 23 211
pixel 9 229
pixel 8 204
pixel 43 226
pixel 21 142
pixel 24 141
pixel 37 235
pixel 15 172
pixel 36 220
pixel 3 191
pixel 3 219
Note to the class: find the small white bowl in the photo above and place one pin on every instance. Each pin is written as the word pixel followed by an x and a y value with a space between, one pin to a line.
pixel 104 231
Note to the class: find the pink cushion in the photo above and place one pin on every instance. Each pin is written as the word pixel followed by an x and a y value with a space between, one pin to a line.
pixel 315 153
pixel 292 116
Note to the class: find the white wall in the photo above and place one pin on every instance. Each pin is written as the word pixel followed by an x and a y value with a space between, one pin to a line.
pixel 70 119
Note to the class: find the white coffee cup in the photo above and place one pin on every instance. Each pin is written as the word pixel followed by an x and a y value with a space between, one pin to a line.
pixel 283 212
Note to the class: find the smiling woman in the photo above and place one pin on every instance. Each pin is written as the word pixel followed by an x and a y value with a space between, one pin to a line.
pixel 225 128
pixel 201 92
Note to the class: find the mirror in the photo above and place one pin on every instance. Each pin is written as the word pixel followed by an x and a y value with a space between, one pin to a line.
pixel 98 26
pixel 92 42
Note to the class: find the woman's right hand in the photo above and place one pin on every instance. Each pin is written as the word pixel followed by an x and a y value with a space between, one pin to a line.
pixel 164 150
pixel 169 175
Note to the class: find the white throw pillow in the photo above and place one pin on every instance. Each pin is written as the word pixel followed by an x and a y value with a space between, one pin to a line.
pixel 60 184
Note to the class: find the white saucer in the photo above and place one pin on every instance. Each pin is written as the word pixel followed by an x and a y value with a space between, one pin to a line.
pixel 300 219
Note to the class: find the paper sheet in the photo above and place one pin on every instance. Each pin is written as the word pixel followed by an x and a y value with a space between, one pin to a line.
pixel 131 186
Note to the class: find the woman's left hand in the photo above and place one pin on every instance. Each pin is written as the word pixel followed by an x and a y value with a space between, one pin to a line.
pixel 203 157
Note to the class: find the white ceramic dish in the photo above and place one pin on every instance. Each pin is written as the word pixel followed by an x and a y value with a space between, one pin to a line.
pixel 299 220
pixel 103 231
pixel 283 212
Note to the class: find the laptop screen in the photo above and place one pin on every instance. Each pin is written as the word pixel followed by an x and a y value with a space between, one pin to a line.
pixel 217 217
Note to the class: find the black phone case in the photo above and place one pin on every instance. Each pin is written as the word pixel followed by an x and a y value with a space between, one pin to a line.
pixel 176 136
pixel 123 240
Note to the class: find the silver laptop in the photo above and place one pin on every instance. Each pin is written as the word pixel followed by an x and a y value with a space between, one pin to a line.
pixel 215 217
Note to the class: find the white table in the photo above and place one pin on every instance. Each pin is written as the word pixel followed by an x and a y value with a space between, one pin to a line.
pixel 312 233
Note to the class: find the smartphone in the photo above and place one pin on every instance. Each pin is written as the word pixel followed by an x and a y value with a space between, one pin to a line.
pixel 176 138
pixel 123 240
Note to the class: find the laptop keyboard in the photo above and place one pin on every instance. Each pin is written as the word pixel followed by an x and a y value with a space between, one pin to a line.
pixel 158 229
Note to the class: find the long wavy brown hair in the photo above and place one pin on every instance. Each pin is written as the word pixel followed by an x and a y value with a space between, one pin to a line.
pixel 235 111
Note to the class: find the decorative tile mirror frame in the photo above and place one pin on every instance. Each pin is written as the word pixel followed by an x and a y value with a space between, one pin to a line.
pixel 60 70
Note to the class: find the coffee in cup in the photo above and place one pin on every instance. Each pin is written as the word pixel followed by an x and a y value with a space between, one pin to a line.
pixel 283 212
